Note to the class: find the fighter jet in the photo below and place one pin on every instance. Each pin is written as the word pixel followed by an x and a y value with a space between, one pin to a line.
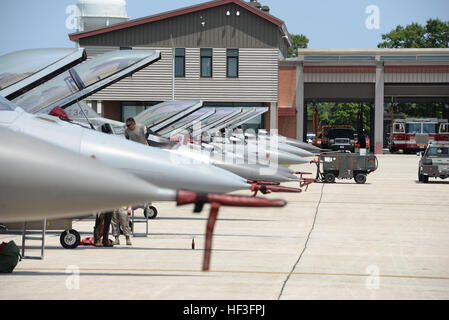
pixel 252 172
pixel 33 177
pixel 151 164
pixel 261 152
pixel 81 81
pixel 154 165
pixel 31 187
pixel 39 180
pixel 294 142
pixel 218 156
pixel 89 77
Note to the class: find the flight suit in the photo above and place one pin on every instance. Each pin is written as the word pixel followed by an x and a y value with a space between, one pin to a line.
pixel 105 217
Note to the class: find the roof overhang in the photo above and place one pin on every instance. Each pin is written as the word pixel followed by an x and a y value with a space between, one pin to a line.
pixel 373 52
pixel 369 57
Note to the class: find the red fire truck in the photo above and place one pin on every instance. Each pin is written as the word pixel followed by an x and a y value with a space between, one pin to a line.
pixel 413 134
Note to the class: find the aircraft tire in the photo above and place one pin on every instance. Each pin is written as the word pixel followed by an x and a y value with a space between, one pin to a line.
pixel 150 212
pixel 70 239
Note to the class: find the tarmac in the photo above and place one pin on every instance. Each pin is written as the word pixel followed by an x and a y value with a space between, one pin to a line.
pixel 387 239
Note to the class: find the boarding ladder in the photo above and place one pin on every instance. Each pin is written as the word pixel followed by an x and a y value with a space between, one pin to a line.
pixel 36 235
pixel 135 220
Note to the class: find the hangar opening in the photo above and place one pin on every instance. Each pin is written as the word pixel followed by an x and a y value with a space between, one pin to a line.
pixel 389 83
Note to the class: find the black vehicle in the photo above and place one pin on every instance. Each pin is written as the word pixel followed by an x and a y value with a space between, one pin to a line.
pixel 338 138
pixel 434 162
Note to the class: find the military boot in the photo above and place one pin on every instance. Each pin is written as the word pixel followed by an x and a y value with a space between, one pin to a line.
pixel 116 241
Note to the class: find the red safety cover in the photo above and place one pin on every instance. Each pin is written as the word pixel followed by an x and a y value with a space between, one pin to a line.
pixel 59 113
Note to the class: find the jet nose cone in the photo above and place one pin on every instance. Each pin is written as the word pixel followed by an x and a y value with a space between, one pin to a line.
pixel 39 180
pixel 289 158
pixel 303 145
pixel 217 180
pixel 300 152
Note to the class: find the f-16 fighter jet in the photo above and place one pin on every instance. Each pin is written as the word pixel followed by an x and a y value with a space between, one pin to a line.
pixel 31 173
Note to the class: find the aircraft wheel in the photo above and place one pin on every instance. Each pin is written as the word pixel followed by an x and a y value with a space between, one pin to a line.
pixel 360 178
pixel 70 239
pixel 329 178
pixel 150 212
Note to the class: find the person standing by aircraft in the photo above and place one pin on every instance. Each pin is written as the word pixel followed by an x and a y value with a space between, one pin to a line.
pixel 105 217
pixel 120 218
pixel 135 132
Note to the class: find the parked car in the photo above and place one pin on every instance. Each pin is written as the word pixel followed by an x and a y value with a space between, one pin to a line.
pixel 434 162
pixel 338 137
pixel 310 137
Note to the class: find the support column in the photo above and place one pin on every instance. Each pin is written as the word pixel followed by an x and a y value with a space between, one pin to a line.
pixel 100 108
pixel 300 110
pixel 273 116
pixel 93 105
pixel 379 110
pixel 372 147
pixel 446 111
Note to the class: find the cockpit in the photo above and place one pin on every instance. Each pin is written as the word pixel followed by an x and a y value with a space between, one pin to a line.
pixel 83 77
pixel 5 105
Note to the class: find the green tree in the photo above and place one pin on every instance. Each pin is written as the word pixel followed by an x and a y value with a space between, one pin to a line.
pixel 435 34
pixel 300 41
pixel 419 110
pixel 341 114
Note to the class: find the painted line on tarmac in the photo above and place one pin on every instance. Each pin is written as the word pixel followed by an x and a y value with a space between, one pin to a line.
pixel 379 203
pixel 240 272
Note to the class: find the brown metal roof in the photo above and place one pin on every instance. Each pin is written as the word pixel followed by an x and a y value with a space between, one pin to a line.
pixel 179 12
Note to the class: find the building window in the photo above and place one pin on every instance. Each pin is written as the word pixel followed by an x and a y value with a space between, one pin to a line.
pixel 180 63
pixel 232 63
pixel 206 63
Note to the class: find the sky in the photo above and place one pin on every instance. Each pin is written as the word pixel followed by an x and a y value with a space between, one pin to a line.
pixel 26 24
